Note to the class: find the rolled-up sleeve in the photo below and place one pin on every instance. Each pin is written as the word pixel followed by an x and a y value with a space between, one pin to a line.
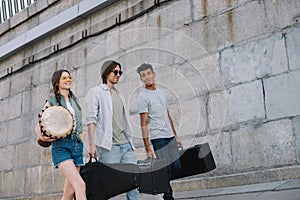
pixel 91 106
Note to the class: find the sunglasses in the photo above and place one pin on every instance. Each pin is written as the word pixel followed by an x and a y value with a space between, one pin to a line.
pixel 65 78
pixel 116 72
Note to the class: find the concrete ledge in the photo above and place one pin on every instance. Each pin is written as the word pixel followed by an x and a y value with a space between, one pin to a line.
pixel 264 176
pixel 292 186
pixel 60 21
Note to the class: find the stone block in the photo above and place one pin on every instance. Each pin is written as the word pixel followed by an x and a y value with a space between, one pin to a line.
pixel 41 49
pixel 13 64
pixel 213 7
pixel 5 86
pixel 248 21
pixel 19 17
pixel 186 47
pixel 281 14
pixel 56 9
pixel 236 105
pixel 21 82
pixel 93 74
pixel 189 116
pixel 34 99
pixel 132 34
pixel 253 148
pixel 255 60
pixel 208 70
pixel 46 155
pixel 49 66
pixel 79 82
pixel 296 128
pixel 39 179
pixel 1 183
pixel 17 131
pixel 37 7
pixel 59 180
pixel 293 48
pixel 282 95
pixel 28 154
pixel 16 180
pixel 227 28
pixel 39 95
pixel 217 104
pixel 220 147
pixel 11 108
pixel 245 102
pixel 5 26
pixel 159 53
pixel 181 82
pixel 211 34
pixel 52 1
pixel 7 158
pixel 171 16
pixel 75 57
pixel 27 101
pixel 3 133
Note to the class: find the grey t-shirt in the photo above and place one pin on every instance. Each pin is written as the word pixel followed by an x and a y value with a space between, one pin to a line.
pixel 118 123
pixel 154 102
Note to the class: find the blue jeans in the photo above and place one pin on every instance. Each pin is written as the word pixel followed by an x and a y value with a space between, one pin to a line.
pixel 122 153
pixel 167 148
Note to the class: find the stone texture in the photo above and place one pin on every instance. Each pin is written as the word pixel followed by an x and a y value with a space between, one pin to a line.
pixel 255 60
pixel 293 48
pixel 282 13
pixel 208 70
pixel 18 18
pixel 16 180
pixel 296 127
pixel 236 105
pixel 39 179
pixel 14 105
pixel 5 89
pixel 263 146
pixel 213 7
pixel 7 161
pixel 230 70
pixel 164 17
pixel 282 95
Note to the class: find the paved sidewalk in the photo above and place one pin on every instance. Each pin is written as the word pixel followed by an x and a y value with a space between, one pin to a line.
pixel 280 190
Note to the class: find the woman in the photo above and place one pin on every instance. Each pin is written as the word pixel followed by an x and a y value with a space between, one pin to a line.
pixel 67 152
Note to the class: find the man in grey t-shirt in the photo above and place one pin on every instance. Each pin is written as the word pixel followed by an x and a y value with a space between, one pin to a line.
pixel 157 125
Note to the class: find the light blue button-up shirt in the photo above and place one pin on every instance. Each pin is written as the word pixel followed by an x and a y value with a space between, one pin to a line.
pixel 98 107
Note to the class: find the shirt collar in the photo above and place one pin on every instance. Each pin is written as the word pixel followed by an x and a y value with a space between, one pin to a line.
pixel 104 87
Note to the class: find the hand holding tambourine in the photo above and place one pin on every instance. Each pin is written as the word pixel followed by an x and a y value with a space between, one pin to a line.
pixel 54 122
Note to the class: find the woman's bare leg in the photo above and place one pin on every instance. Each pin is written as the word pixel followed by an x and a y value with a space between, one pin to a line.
pixel 73 181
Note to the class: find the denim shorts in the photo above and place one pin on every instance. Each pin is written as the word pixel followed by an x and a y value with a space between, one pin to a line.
pixel 67 149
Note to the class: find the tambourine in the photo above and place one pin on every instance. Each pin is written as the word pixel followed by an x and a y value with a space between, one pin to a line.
pixel 55 122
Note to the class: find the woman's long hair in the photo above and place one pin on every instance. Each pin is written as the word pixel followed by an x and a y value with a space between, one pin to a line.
pixel 55 85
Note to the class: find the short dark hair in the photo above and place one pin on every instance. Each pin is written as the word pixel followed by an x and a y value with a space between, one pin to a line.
pixel 107 68
pixel 144 67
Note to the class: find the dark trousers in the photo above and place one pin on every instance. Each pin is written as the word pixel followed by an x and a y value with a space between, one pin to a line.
pixel 167 148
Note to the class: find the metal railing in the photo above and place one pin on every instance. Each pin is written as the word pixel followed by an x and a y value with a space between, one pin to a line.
pixel 9 8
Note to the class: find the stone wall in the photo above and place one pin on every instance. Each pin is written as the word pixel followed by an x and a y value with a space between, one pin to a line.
pixel 229 67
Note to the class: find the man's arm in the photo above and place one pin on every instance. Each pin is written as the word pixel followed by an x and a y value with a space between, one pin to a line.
pixel 174 131
pixel 93 149
pixel 91 108
pixel 145 134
